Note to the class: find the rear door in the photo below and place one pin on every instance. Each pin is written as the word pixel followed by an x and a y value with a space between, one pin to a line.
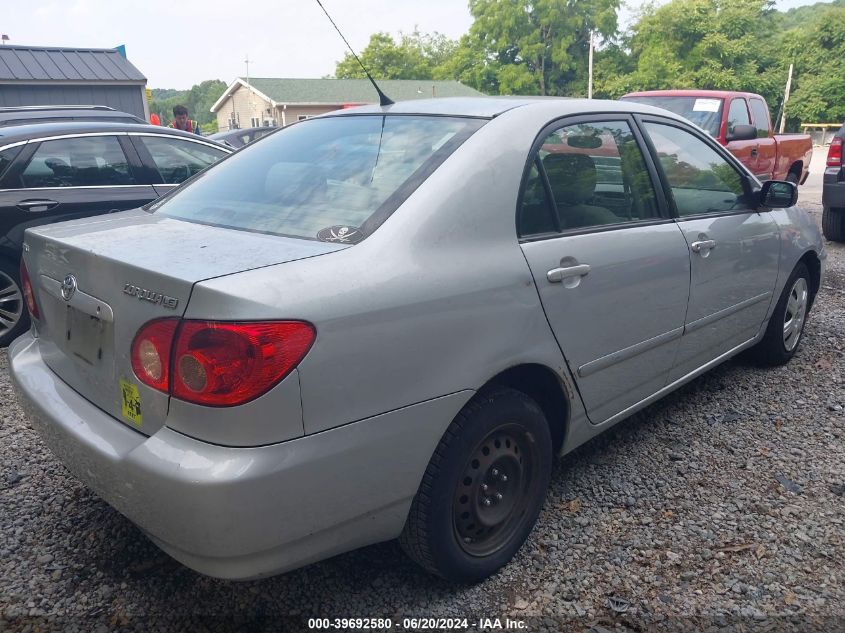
pixel 70 177
pixel 171 160
pixel 611 267
pixel 733 248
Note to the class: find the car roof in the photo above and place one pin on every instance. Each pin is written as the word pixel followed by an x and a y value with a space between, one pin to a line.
pixel 17 133
pixel 715 94
pixel 490 107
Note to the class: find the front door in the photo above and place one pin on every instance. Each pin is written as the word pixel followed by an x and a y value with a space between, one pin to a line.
pixel 611 267
pixel 734 249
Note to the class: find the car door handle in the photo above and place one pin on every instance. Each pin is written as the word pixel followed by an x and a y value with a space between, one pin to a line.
pixel 753 152
pixel 703 245
pixel 37 206
pixel 557 275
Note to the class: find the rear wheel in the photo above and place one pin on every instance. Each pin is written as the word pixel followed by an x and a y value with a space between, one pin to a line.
pixel 786 326
pixel 13 315
pixel 793 177
pixel 833 224
pixel 483 488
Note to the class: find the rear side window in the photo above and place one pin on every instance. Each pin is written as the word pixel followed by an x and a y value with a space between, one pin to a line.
pixel 343 172
pixel 177 160
pixel 761 117
pixel 596 175
pixel 6 158
pixel 90 161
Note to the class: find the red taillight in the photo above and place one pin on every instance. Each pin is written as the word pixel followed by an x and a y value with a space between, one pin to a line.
pixel 215 363
pixel 151 353
pixel 28 294
pixel 834 153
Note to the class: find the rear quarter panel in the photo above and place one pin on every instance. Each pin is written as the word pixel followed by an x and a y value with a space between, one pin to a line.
pixel 791 149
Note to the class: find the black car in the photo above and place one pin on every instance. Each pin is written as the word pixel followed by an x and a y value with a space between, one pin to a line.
pixel 22 115
pixel 239 138
pixel 833 191
pixel 51 172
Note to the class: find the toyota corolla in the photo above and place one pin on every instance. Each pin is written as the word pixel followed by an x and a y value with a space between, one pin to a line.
pixel 387 321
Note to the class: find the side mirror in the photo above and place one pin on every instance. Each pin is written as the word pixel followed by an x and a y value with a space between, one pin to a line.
pixel 742 132
pixel 778 194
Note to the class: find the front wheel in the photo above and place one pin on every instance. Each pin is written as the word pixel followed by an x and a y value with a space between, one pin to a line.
pixel 14 318
pixel 786 326
pixel 483 489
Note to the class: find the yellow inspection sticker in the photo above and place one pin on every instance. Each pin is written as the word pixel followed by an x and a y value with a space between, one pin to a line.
pixel 131 402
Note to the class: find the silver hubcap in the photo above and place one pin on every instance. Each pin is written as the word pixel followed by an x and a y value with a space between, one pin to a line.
pixel 796 310
pixel 11 303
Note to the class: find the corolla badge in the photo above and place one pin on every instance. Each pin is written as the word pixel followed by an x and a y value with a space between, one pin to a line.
pixel 68 287
pixel 150 295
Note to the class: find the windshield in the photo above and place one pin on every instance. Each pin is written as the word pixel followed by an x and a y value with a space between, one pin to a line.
pixel 705 112
pixel 326 178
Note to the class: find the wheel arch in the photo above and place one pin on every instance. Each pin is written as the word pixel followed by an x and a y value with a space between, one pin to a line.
pixel 546 388
pixel 811 260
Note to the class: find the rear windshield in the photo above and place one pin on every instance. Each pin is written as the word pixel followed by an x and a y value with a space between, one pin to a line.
pixel 322 177
pixel 705 112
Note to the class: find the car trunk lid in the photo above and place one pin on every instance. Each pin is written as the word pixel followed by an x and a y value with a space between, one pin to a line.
pixel 126 270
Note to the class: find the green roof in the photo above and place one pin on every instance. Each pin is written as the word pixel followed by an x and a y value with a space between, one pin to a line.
pixel 340 91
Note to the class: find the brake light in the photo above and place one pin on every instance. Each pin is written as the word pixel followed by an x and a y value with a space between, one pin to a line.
pixel 28 294
pixel 834 153
pixel 215 363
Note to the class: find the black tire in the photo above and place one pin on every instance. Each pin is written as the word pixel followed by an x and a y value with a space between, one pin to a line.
pixel 776 348
pixel 833 224
pixel 468 469
pixel 14 318
pixel 793 177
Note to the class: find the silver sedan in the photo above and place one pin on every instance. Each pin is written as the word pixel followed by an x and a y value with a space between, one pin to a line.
pixel 385 323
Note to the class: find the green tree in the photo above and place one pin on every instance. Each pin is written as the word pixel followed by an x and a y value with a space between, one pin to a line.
pixel 198 100
pixel 539 46
pixel 708 44
pixel 414 56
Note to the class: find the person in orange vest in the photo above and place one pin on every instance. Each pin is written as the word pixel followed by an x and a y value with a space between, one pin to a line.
pixel 154 119
pixel 182 122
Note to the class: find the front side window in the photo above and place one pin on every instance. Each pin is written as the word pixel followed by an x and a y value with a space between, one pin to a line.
pixel 761 117
pixel 596 176
pixel 702 181
pixel 177 159
pixel 737 115
pixel 90 161
pixel 322 173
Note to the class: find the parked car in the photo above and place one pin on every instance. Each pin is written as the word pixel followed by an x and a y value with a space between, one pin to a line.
pixel 741 122
pixel 50 172
pixel 21 115
pixel 280 361
pixel 833 191
pixel 239 138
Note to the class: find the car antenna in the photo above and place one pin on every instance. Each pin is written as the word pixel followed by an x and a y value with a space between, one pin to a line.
pixel 383 99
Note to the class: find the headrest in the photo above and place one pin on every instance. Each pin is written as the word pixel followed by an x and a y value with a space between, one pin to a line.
pixel 572 177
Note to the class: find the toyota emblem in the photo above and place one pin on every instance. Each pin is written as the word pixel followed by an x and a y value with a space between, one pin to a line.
pixel 68 287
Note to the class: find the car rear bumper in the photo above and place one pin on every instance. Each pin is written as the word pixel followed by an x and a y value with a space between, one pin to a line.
pixel 833 190
pixel 240 513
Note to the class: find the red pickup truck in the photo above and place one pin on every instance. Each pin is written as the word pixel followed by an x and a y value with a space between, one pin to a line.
pixel 740 121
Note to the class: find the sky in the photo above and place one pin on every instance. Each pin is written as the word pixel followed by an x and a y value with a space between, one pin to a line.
pixel 178 43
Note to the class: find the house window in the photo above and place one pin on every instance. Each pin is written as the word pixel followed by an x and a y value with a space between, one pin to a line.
pixel 255 122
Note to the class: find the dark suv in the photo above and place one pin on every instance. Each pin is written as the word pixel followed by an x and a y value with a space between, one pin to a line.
pixel 833 191
pixel 22 115
pixel 51 172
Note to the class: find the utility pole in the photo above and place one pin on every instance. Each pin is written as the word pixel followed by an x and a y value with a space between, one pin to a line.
pixel 785 99
pixel 590 72
pixel 249 90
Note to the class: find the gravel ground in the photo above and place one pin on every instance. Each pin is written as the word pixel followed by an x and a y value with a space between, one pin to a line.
pixel 719 508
